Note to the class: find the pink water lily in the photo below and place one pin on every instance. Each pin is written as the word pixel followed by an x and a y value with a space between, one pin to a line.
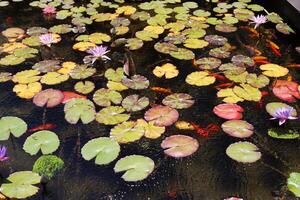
pixel 3 156
pixel 97 52
pixel 49 38
pixel 283 114
pixel 258 20
pixel 49 10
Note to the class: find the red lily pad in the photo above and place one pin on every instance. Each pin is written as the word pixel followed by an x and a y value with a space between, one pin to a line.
pixel 229 111
pixel 286 90
pixel 162 115
pixel 179 146
pixel 238 128
pixel 48 97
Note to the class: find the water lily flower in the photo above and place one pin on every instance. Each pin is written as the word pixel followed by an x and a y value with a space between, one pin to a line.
pixel 3 156
pixel 258 20
pixel 284 114
pixel 233 198
pixel 49 10
pixel 97 52
pixel 49 38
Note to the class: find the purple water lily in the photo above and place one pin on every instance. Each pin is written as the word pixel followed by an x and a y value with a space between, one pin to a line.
pixel 258 20
pixel 3 156
pixel 48 39
pixel 284 114
pixel 97 52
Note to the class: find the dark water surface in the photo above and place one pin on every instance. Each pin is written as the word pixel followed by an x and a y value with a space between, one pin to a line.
pixel 207 175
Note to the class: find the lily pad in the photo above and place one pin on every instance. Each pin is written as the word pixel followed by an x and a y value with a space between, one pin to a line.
pixel 136 82
pixel 46 141
pixel 273 107
pixel 112 115
pixel 244 152
pixel 238 128
pixel 104 97
pixel 127 132
pixel 82 72
pixel 150 130
pixel 208 63
pixel 49 98
pixel 293 183
pixel 286 90
pixel 78 108
pixel 274 70
pixel 179 146
pixel 229 111
pixel 162 115
pixel 242 61
pixel 11 125
pixel 84 87
pixel 47 66
pixel 168 70
pixel 114 75
pixel 104 149
pixel 247 92
pixel 178 100
pixel 182 54
pixel 279 133
pixel 133 103
pixel 200 79
pixel 136 167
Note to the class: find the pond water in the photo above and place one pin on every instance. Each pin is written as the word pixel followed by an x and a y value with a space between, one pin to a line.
pixel 207 174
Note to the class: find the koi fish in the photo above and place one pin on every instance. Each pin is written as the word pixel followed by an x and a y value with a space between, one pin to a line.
pixel 275 48
pixel 42 127
pixel 205 132
pixel 219 77
pixel 252 31
pixel 289 78
pixel 172 194
pixel 294 65
pixel 161 90
pixel 223 86
pixel 70 95
pixel 260 60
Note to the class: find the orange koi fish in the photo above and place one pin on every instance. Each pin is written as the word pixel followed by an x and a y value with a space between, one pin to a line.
pixel 252 31
pixel 223 85
pixel 294 65
pixel 275 48
pixel 289 78
pixel 161 90
pixel 219 77
pixel 42 127
pixel 205 132
pixel 260 60
pixel 70 95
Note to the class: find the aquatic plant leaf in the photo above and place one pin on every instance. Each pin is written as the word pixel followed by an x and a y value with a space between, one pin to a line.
pixel 229 111
pixel 238 128
pixel 244 152
pixel 168 70
pixel 208 63
pixel 11 47
pixel 142 16
pixel 26 76
pixel 20 185
pixel 25 52
pixel 46 141
pixel 279 133
pixel 183 54
pixel 284 28
pixel 243 14
pixel 114 75
pixel 162 115
pixel 79 108
pixel 286 90
pixel 136 167
pixel 5 76
pixel 12 33
pixel 66 67
pixel 184 125
pixel 27 91
pixel 242 61
pixel 201 13
pixel 49 98
pixel 165 47
pixel 136 82
pixel 175 26
pixel 274 17
pixel 214 21
pixel 151 131
pixel 146 36
pixel 257 81
pixel 195 43
pixel 230 20
pixel 273 107
pixel 134 43
pixel 247 92
pixel 200 79
pixel 112 115
pixel 194 33
pixel 133 103
pixel 11 125
pixel 32 41
pixel 99 38
pixel 83 46
pixel 117 86
pixel 84 87
pixel 179 146
pixel 127 132
pixel 255 7
pixel 104 149
pixel 53 78
pixel 36 31
pixel 229 96
pixel 48 166
pixel 45 66
pixel 274 70
pixel 61 29
pixel 126 10
pixel 293 183
pixel 216 40
pixel 220 52
pixel 178 100
pixel 82 72
pixel 119 30
pixel 104 97
pixel 237 78
pixel 63 14
pixel 226 28
pixel 11 60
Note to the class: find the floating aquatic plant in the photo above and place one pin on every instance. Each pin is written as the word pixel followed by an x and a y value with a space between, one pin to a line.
pixel 96 53
pixel 48 166
pixel 49 10
pixel 258 20
pixel 244 152
pixel 49 38
pixel 3 155
pixel 281 112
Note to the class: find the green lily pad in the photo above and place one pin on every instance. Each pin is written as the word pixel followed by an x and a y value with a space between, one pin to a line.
pixel 112 115
pixel 257 81
pixel 78 108
pixel 244 152
pixel 134 43
pixel 11 125
pixel 283 134
pixel 82 72
pixel 165 47
pixel 61 29
pixel 5 76
pixel 84 87
pixel 183 54
pixel 45 66
pixel 46 141
pixel 127 132
pixel 133 103
pixel 32 41
pixel 284 28
pixel 11 60
pixel 178 100
pixel 136 82
pixel 208 63
pixel 114 75
pixel 293 183
pixel 104 149
pixel 238 128
pixel 104 97
pixel 136 167
pixel 20 185
pixel 274 17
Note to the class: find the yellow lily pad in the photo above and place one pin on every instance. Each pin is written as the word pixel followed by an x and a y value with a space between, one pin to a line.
pixel 27 91
pixel 154 29
pixel 229 96
pixel 26 76
pixel 126 10
pixel 150 130
pixel 53 78
pixel 247 92
pixel 84 87
pixel 11 47
pixel 117 86
pixel 195 43
pixel 67 67
pixel 200 79
pixel 274 70
pixel 83 46
pixel 99 38
pixel 168 70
